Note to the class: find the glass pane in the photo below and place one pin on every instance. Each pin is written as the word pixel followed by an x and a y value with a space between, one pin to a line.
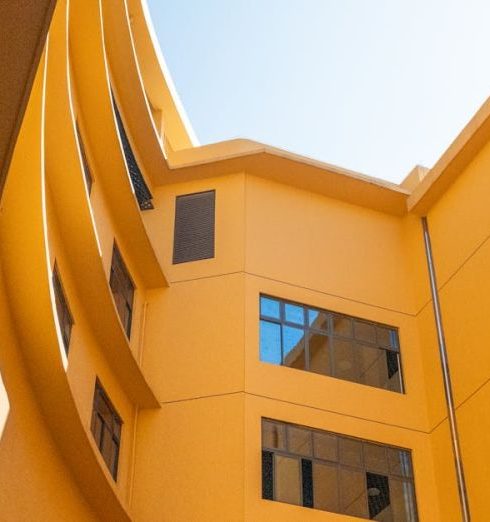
pixel 379 502
pixel 110 454
pixel 269 307
pixel 97 429
pixel 104 410
pixel 403 501
pixel 395 343
pixel 116 426
pixel 273 435
pixel 325 488
pixel 325 446
pixel 299 441
pixel 318 320
pixel 342 325
pixel 365 332
pixel 108 449
pixel 394 381
pixel 287 483
pixel 345 360
pixel 400 462
pixel 270 342
pixel 353 498
pixel 350 452
pixel 386 337
pixel 372 366
pixel 375 458
pixel 318 353
pixel 294 347
pixel 294 314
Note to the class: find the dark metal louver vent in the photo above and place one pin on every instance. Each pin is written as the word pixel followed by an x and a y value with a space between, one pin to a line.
pixel 143 194
pixel 194 227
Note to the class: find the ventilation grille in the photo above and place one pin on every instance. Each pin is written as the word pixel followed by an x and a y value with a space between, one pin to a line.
pixel 194 227
pixel 143 194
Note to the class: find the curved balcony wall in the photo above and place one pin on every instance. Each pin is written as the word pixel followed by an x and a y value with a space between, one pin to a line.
pixel 67 186
pixel 90 74
pixel 25 262
pixel 132 98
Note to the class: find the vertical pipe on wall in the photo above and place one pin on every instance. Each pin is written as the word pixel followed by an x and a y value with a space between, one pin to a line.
pixel 463 494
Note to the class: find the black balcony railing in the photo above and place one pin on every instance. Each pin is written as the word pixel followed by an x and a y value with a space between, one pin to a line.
pixel 143 194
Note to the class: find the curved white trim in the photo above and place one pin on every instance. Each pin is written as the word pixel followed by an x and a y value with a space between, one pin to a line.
pixel 168 77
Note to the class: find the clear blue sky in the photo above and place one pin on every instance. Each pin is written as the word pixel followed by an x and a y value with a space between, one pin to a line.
pixel 375 86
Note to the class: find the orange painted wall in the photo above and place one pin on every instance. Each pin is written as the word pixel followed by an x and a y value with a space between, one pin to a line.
pixel 189 384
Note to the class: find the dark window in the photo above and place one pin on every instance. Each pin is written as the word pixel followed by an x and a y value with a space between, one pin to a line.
pixel 106 428
pixel 329 343
pixel 122 289
pixel 143 194
pixel 194 227
pixel 65 319
pixel 331 472
pixel 86 169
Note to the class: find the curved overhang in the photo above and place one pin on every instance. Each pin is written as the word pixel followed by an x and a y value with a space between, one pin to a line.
pixel 65 178
pixel 91 75
pixel 133 103
pixel 157 80
pixel 25 263
pixel 144 84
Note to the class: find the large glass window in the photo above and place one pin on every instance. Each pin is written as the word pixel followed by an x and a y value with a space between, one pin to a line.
pixel 106 428
pixel 122 289
pixel 331 472
pixel 329 343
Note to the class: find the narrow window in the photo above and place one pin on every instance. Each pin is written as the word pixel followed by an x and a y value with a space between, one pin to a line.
pixel 143 194
pixel 194 227
pixel 122 289
pixel 65 319
pixel 86 169
pixel 106 428
pixel 329 343
pixel 331 472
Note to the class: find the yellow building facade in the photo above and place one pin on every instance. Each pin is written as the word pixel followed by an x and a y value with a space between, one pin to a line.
pixel 174 317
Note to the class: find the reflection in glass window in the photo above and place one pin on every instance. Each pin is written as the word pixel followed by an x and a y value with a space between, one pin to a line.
pixel 294 313
pixel 270 307
pixel 331 472
pixel 329 343
pixel 294 347
pixel 270 342
pixel 287 479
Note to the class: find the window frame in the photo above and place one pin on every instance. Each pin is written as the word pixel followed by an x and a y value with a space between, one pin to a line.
pixel 123 270
pixel 330 334
pixel 63 310
pixel 101 394
pixel 363 468
pixel 87 171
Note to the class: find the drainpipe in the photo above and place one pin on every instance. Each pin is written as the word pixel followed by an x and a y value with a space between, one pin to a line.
pixel 448 390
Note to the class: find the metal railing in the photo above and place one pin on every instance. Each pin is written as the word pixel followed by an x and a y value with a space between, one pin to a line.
pixel 143 194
